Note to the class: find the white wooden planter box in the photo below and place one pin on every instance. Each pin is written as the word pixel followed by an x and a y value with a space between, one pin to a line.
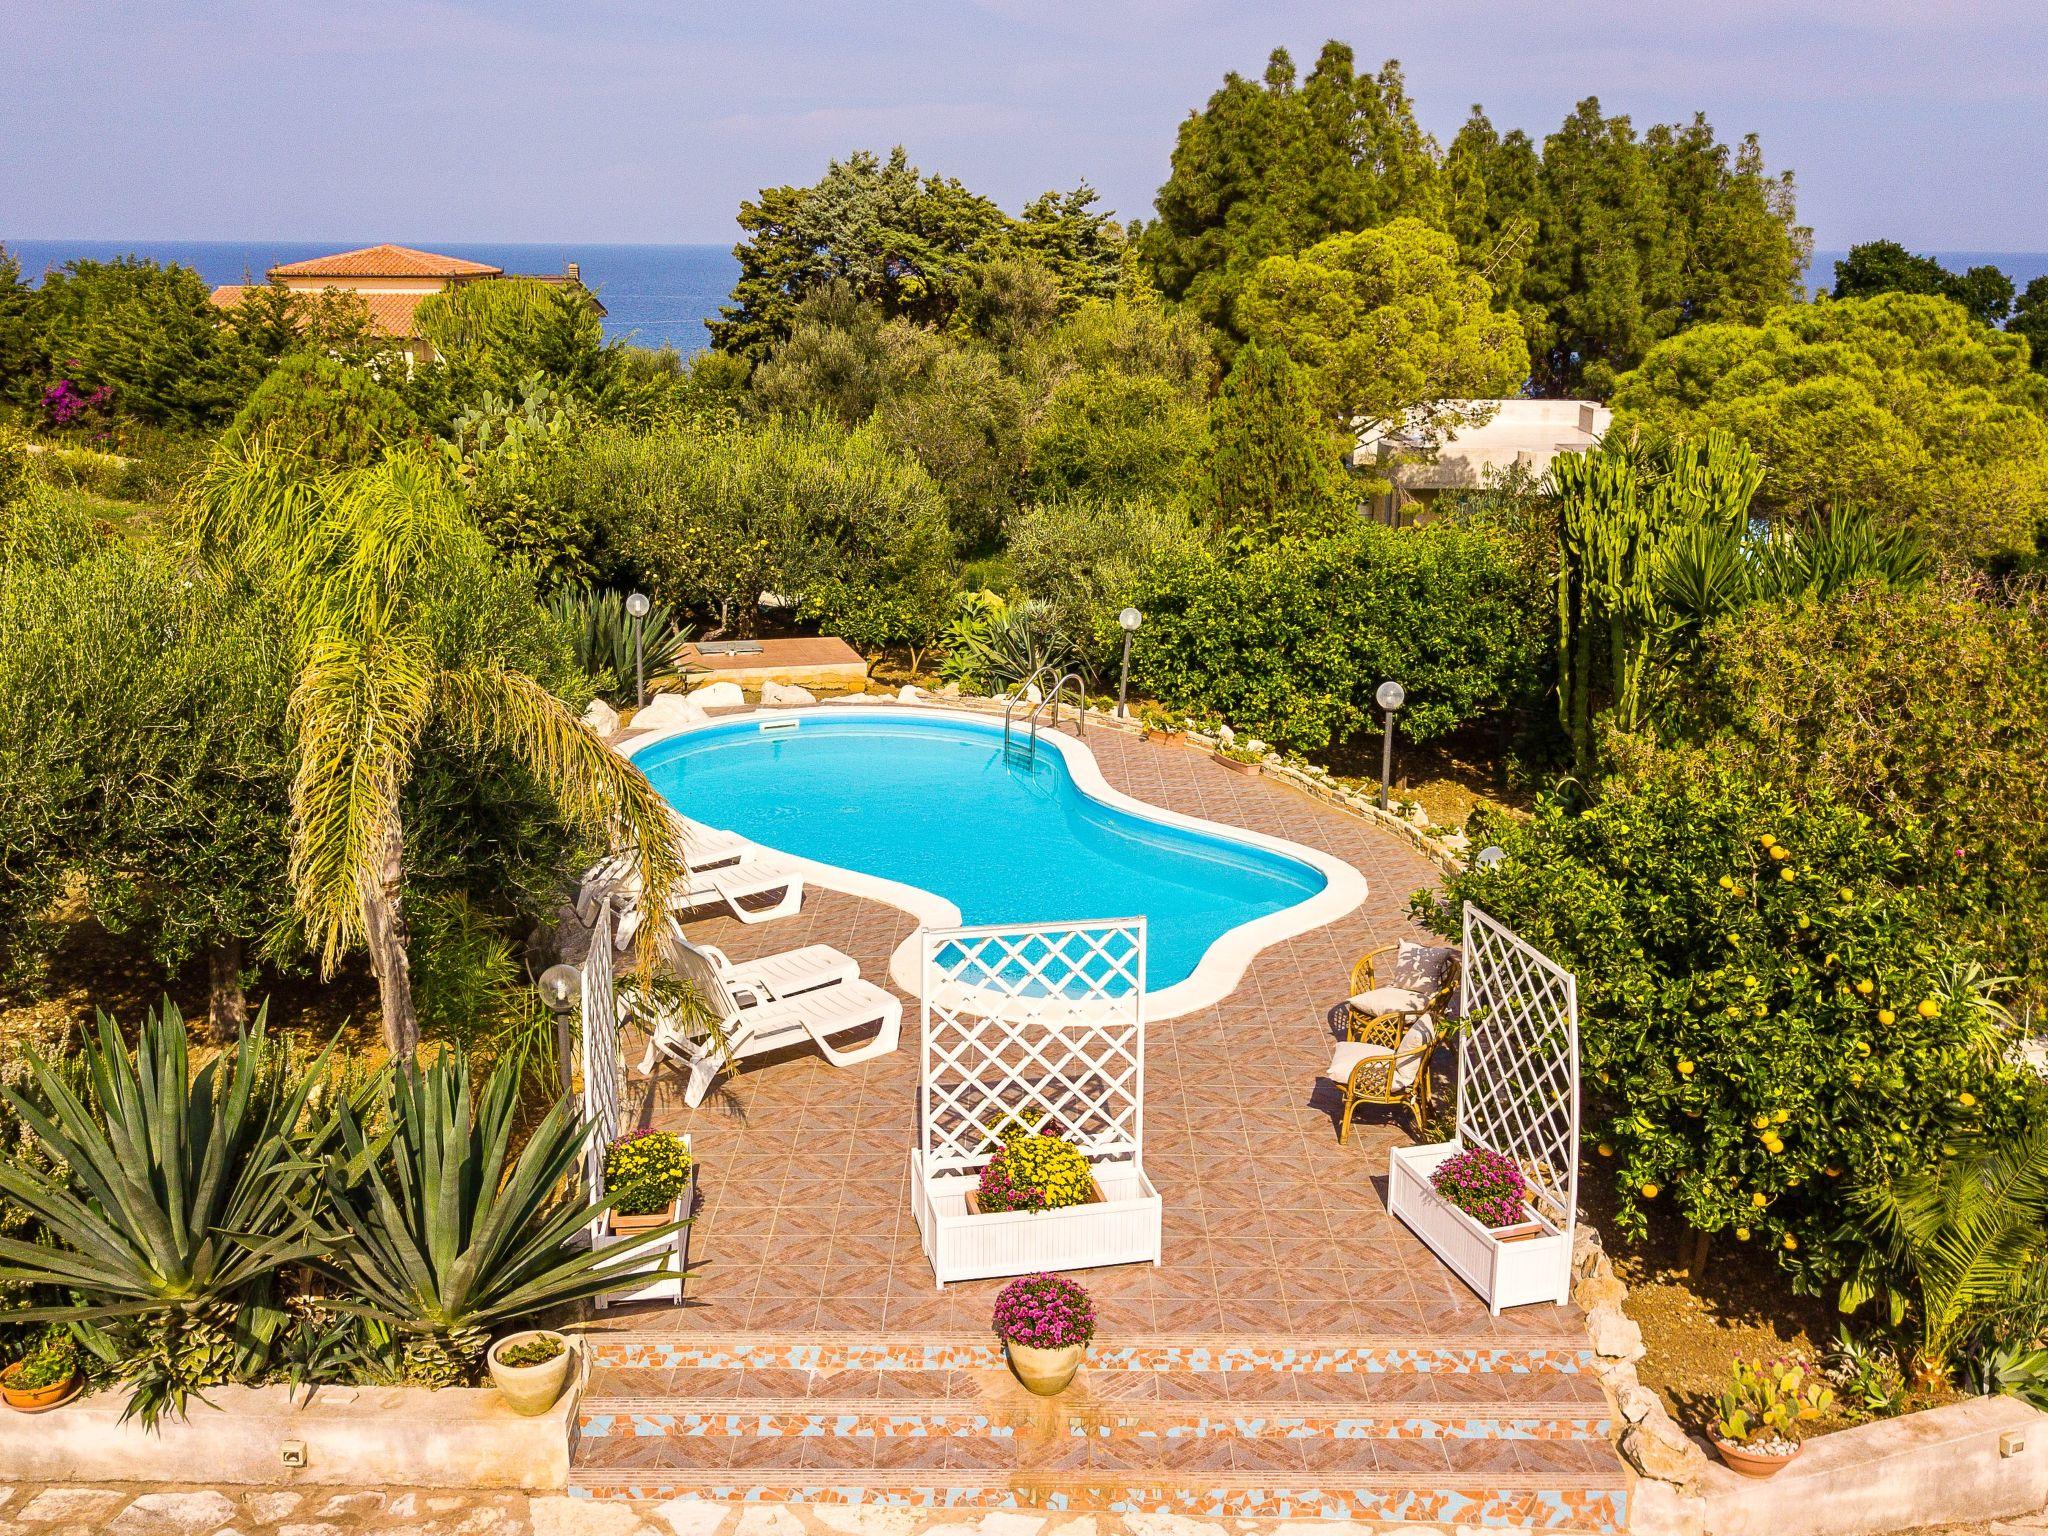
pixel 1121 1228
pixel 1510 1273
pixel 637 1254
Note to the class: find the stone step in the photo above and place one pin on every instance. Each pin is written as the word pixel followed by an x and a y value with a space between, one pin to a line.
pixel 1308 1429
pixel 1505 1501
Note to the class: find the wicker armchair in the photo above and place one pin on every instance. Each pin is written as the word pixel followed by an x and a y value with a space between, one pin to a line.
pixel 1390 1034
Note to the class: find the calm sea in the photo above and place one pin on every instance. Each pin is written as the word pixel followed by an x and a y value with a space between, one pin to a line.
pixel 654 295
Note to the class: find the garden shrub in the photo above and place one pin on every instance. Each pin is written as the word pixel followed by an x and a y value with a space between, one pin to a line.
pixel 1288 640
pixel 335 414
pixel 1769 1016
pixel 1924 707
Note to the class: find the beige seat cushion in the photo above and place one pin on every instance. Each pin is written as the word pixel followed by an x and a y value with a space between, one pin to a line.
pixel 1423 968
pixel 1347 1057
pixel 1387 1000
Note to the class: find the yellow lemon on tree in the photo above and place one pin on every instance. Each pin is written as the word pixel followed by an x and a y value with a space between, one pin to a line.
pixel 1605 1150
pixel 1780 1116
pixel 1929 1008
pixel 1685 1069
pixel 1759 1200
pixel 1786 873
pixel 1846 894
pixel 1727 882
pixel 1780 851
pixel 1648 1191
pixel 1791 1242
pixel 1862 1047
pixel 1761 1121
pixel 1966 1098
pixel 1773 1144
pixel 1829 958
pixel 1886 1016
pixel 1766 840
pixel 1742 1234
pixel 1803 922
pixel 1866 986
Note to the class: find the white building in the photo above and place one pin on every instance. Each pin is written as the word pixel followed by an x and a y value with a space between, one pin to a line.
pixel 1421 460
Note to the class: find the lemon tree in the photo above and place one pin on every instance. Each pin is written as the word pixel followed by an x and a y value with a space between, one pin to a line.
pixel 1770 1016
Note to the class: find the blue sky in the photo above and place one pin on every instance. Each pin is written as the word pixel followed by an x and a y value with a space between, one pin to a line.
pixel 648 120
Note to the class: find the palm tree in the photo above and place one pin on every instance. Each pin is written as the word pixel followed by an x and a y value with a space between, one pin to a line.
pixel 1967 1230
pixel 361 556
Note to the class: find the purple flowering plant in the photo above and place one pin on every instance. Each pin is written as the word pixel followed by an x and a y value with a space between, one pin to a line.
pixel 1044 1312
pixel 1484 1185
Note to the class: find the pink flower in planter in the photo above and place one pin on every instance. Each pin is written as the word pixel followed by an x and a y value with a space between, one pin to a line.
pixel 1484 1185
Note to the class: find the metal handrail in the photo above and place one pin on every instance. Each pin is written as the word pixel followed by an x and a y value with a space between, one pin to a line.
pixel 1053 699
pixel 1018 695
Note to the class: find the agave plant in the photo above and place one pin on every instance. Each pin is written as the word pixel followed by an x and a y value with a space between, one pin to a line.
pixel 176 1200
pixel 993 643
pixel 601 631
pixel 435 1237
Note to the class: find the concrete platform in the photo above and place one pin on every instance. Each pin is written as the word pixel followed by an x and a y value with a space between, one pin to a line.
pixel 809 662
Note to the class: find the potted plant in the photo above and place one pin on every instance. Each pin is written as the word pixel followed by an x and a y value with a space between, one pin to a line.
pixel 1045 1323
pixel 1034 1173
pixel 530 1369
pixel 1239 759
pixel 42 1379
pixel 1158 725
pixel 1757 1423
pixel 1488 1188
pixel 645 1178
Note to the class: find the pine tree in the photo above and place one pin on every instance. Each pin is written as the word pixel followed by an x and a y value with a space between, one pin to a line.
pixel 1274 468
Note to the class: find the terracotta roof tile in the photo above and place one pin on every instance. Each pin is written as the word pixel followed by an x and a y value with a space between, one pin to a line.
pixel 385 261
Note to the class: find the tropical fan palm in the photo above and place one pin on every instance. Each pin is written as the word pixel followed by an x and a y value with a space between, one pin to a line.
pixel 361 555
pixel 1970 1231
pixel 437 1237
pixel 176 1200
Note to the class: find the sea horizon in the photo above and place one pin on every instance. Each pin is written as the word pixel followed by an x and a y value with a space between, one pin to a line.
pixel 655 295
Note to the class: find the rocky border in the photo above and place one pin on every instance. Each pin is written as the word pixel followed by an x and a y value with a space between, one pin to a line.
pixel 1669 1469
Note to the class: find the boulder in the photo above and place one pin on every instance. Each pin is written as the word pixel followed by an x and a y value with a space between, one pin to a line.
pixel 1225 735
pixel 950 691
pixel 601 718
pixel 1658 1448
pixel 718 696
pixel 666 711
pixel 1636 1403
pixel 785 696
pixel 1615 1335
pixel 910 693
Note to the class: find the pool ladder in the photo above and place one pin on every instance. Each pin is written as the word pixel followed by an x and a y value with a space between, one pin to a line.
pixel 1051 701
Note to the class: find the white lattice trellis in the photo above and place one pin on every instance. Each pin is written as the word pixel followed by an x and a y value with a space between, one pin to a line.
pixel 602 1059
pixel 1518 1062
pixel 1034 1027
pixel 1518 1096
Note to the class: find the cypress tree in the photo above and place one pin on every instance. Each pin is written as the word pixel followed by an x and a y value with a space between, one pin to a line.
pixel 1274 469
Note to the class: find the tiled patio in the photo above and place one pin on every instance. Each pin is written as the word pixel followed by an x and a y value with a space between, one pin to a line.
pixel 1271 1228
pixel 1298 1354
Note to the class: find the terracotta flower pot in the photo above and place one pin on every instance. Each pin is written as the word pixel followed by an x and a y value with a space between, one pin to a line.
pixel 625 1226
pixel 38 1399
pixel 1750 1463
pixel 531 1390
pixel 1234 764
pixel 1045 1372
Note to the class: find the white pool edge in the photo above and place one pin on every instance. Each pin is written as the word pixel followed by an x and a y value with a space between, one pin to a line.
pixel 1223 963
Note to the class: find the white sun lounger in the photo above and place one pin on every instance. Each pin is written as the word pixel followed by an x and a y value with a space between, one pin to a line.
pixel 755 1022
pixel 725 870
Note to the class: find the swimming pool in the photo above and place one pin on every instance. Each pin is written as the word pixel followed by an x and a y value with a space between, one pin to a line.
pixel 925 808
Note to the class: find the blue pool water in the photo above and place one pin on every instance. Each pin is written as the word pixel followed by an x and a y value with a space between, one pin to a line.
pixel 1004 836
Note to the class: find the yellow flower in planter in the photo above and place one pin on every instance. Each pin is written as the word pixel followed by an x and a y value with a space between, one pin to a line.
pixel 1036 1173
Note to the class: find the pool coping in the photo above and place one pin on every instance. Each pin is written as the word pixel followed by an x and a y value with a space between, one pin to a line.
pixel 1223 964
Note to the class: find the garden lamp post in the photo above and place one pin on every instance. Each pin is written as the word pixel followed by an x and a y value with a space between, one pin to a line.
pixel 637 605
pixel 1130 619
pixel 561 989
pixel 1390 697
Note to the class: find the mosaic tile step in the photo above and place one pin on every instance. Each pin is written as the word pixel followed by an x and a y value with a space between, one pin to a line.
pixel 1037 1423
pixel 1512 1503
pixel 655 1352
